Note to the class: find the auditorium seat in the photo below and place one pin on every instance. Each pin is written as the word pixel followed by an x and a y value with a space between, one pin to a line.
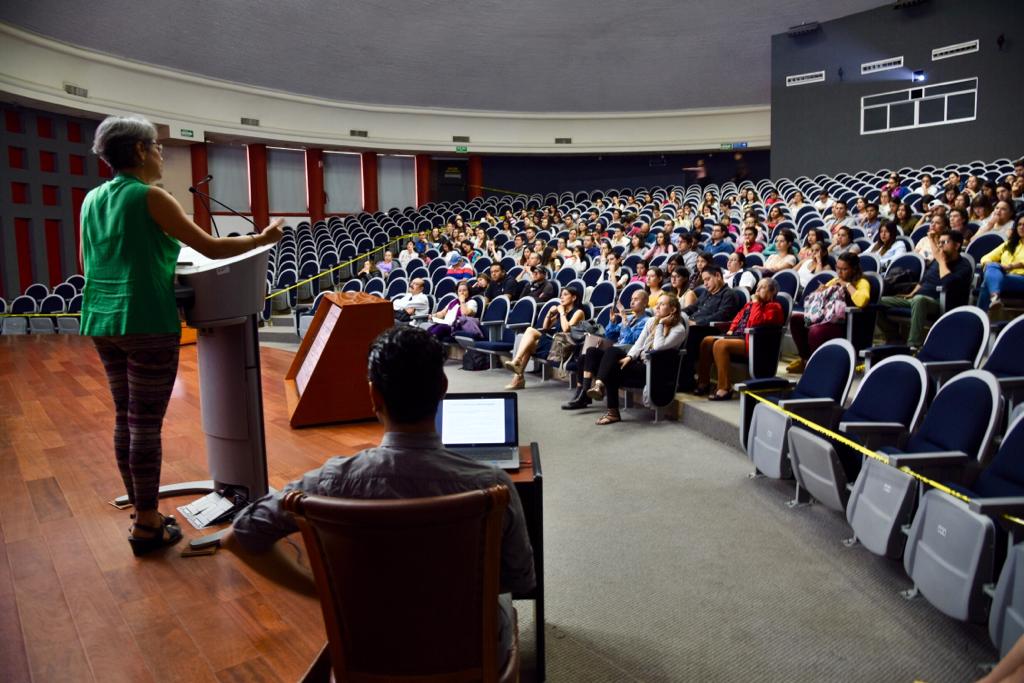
pixel 887 406
pixel 882 497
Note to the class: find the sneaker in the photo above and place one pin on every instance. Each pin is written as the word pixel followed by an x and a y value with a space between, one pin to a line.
pixel 796 366
pixel 518 382
pixel 995 303
pixel 596 392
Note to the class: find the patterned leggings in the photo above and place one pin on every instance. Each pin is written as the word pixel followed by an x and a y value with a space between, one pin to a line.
pixel 140 370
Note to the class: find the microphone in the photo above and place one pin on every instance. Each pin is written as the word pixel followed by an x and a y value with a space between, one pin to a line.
pixel 205 180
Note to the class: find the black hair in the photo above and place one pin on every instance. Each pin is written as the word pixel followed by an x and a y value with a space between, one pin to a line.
pixel 406 365
pixel 740 256
pixel 789 235
pixel 713 269
pixel 1014 239
pixel 853 261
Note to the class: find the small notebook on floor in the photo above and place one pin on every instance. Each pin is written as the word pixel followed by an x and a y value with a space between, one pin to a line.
pixel 483 427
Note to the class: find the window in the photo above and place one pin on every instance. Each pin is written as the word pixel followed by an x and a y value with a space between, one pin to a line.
pixel 229 167
pixel 343 182
pixel 286 180
pixel 919 107
pixel 396 182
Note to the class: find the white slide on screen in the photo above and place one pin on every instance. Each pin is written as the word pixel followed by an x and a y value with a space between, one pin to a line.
pixel 479 422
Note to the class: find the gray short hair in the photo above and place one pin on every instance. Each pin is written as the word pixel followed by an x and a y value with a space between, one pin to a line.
pixel 116 137
pixel 772 285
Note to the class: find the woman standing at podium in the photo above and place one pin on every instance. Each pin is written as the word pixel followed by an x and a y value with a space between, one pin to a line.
pixel 131 234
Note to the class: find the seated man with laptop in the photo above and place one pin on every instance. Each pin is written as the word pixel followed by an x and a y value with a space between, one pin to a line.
pixel 407 382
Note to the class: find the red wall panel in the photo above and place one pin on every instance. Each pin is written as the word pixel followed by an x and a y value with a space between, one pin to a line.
pixel 315 199
pixel 77 197
pixel 74 131
pixel 44 127
pixel 53 251
pixel 12 121
pixel 200 168
pixel 76 164
pixel 16 157
pixel 47 161
pixel 19 192
pixel 51 195
pixel 369 181
pixel 23 246
pixel 259 198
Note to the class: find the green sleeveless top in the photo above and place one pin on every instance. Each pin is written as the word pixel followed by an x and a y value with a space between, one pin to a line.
pixel 129 263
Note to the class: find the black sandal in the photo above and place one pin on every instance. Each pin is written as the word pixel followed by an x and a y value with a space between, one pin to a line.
pixel 146 544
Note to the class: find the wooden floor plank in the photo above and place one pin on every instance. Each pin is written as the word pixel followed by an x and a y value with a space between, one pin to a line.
pixel 48 500
pixel 13 657
pixel 250 671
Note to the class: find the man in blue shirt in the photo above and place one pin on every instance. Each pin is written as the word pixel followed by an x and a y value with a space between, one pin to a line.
pixel 949 271
pixel 623 329
pixel 719 244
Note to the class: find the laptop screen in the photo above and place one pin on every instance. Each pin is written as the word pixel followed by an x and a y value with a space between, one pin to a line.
pixel 478 420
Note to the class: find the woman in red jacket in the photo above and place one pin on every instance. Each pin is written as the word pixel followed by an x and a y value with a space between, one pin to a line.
pixel 762 309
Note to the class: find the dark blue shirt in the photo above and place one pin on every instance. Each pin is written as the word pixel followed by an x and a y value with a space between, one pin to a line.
pixel 957 283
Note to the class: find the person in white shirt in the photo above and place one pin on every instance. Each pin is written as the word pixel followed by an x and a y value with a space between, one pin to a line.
pixel 926 186
pixel 736 276
pixel 408 254
pixel 1000 222
pixel 824 202
pixel 886 247
pixel 414 302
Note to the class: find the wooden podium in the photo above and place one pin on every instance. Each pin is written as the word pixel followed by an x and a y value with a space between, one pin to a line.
pixel 327 379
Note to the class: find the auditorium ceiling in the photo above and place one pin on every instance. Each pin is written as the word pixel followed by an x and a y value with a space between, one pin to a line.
pixel 508 55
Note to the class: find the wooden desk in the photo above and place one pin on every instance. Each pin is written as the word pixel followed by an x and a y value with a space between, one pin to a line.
pixel 529 483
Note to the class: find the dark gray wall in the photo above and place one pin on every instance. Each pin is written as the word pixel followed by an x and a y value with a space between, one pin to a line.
pixel 816 127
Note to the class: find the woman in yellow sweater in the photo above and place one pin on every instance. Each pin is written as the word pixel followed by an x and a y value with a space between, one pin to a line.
pixel 1004 269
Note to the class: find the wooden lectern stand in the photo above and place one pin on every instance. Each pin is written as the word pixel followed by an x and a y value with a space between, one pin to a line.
pixel 327 379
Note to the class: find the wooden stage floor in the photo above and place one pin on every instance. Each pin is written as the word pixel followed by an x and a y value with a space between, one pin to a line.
pixel 75 604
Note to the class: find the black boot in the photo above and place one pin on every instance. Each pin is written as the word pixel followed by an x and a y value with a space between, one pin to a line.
pixel 580 400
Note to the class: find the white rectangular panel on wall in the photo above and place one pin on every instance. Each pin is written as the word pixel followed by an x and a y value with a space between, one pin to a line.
pixel 229 167
pixel 922 106
pixel 343 182
pixel 396 181
pixel 286 180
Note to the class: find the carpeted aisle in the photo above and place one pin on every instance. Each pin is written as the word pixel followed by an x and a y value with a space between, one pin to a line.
pixel 665 562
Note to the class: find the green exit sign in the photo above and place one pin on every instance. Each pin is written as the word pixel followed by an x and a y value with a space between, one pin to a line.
pixel 187 133
pixel 462 148
pixel 725 146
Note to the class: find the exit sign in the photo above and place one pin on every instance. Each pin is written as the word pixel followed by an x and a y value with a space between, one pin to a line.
pixel 187 133
pixel 729 146
pixel 462 148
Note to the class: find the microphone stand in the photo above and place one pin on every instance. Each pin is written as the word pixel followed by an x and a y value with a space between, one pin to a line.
pixel 209 199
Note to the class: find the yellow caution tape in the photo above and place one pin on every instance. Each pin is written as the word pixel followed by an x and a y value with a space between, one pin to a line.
pixel 40 315
pixel 874 455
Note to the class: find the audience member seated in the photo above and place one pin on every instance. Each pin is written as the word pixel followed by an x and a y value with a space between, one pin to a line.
pixel 823 318
pixel 623 329
pixel 750 244
pixel 655 278
pixel 816 263
pixel 640 274
pixel 926 186
pixel 387 265
pixel 737 275
pixel 783 258
pixel 762 309
pixel 719 242
pixel 905 219
pixel 665 330
pixel 869 221
pixel 566 317
pixel 460 269
pixel 679 281
pixel 478 287
pixel 886 247
pixel 717 303
pixel 928 245
pixel 843 243
pixel 662 246
pixel 500 284
pixel 686 251
pixel 540 288
pixel 813 236
pixel 1000 222
pixel 614 272
pixel 1003 270
pixel 407 381
pixel 411 304
pixel 949 271
pixel 636 247
pixel 368 270
pixel 839 219
pixel 456 316
pixel 824 202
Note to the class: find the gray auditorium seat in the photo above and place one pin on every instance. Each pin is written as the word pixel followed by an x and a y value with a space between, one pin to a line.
pixel 882 498
pixel 887 406
pixel 1006 618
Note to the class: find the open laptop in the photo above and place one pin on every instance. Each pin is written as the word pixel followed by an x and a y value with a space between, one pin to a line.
pixel 483 427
